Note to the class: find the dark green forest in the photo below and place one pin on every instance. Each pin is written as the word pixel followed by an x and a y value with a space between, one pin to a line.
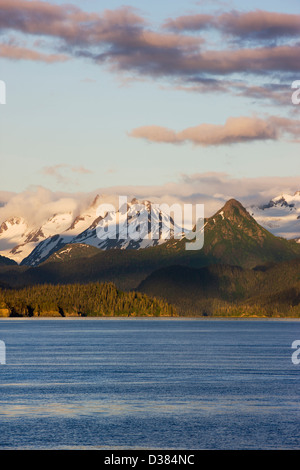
pixel 93 299
pixel 222 290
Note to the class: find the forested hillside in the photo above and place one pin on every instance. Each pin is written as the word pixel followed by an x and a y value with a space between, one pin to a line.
pixel 94 299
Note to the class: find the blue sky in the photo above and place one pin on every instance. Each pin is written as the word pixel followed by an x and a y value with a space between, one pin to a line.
pixel 67 125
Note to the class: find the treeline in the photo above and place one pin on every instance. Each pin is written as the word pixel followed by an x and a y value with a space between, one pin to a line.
pixel 222 290
pixel 93 299
pixel 214 307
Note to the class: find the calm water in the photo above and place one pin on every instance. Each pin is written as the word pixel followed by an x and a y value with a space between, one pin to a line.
pixel 149 383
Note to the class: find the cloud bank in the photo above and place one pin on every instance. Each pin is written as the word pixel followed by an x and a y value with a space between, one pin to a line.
pixel 126 42
pixel 213 189
pixel 234 131
pixel 253 25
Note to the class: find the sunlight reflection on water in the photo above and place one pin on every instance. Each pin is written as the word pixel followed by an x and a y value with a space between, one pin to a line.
pixel 156 384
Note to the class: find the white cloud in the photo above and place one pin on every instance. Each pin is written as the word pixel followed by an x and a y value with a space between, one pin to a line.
pixel 212 189
pixel 61 170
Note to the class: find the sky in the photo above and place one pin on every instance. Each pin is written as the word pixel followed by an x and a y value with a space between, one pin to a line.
pixel 169 100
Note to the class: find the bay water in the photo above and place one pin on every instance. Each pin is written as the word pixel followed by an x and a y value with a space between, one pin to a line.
pixel 149 383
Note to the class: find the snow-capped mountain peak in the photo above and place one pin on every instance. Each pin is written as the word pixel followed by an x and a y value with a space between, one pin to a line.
pixel 133 225
pixel 281 215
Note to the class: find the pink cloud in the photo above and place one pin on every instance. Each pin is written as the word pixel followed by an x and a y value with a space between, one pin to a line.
pixel 195 22
pixel 244 60
pixel 59 172
pixel 257 24
pixel 260 24
pixel 122 26
pixel 9 51
pixel 155 134
pixel 235 130
pixel 124 41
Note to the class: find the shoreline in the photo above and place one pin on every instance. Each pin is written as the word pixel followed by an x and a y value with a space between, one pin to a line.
pixel 114 318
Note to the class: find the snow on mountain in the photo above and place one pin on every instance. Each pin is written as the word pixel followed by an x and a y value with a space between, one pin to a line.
pixel 281 215
pixel 62 236
pixel 18 238
pixel 134 225
pixel 113 231
pixel 127 227
pixel 13 232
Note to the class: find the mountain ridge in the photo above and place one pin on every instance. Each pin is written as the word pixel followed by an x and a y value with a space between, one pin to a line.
pixel 131 219
pixel 31 245
pixel 232 237
pixel 4 261
pixel 281 215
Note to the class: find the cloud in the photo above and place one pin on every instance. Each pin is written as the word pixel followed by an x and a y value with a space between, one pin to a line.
pixel 155 134
pixel 256 45
pixel 5 196
pixel 220 187
pixel 267 93
pixel 58 172
pixel 248 60
pixel 197 22
pixel 212 189
pixel 80 169
pixel 122 27
pixel 252 25
pixel 260 24
pixel 235 130
pixel 9 51
pixel 37 204
pixel 274 93
pixel 123 39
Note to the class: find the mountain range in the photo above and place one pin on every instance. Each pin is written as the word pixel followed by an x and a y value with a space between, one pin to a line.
pixel 231 236
pixel 242 268
pixel 32 245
